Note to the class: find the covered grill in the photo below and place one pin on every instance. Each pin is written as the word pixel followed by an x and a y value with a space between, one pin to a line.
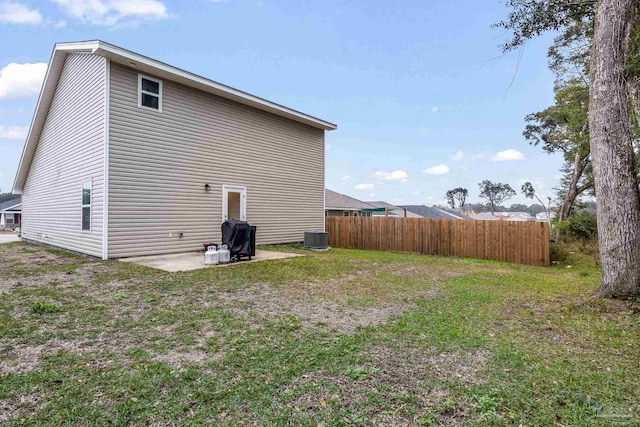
pixel 240 238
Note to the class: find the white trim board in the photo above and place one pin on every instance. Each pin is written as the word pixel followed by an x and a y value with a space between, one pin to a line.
pixel 105 176
pixel 226 189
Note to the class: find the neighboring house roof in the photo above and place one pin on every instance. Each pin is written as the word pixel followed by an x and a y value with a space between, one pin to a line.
pixel 455 213
pixel 508 216
pixel 431 212
pixel 333 200
pixel 393 210
pixel 381 204
pixel 13 205
pixel 546 216
pixel 142 64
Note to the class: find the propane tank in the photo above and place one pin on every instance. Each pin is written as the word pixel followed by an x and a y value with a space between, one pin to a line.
pixel 212 256
pixel 225 254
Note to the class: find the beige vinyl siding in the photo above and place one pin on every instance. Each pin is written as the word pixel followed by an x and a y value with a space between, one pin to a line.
pixel 159 163
pixel 70 151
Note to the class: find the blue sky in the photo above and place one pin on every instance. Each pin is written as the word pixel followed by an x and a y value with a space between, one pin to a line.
pixel 420 90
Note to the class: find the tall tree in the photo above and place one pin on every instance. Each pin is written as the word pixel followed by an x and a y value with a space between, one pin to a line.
pixel 564 128
pixel 530 193
pixel 495 193
pixel 614 168
pixel 458 195
pixel 614 163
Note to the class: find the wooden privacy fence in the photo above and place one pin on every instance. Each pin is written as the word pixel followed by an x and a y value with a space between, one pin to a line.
pixel 525 242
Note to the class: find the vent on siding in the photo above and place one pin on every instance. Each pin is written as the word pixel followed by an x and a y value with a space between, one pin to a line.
pixel 318 240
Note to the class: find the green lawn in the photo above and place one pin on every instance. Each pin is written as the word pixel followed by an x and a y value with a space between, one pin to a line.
pixel 340 338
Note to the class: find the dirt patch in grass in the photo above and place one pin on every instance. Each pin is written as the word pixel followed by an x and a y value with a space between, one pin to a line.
pixel 383 283
pixel 18 406
pixel 22 261
pixel 407 381
pixel 269 302
pixel 20 358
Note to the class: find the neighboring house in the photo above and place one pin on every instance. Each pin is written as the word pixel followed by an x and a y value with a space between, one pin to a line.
pixel 392 210
pixel 130 156
pixel 454 213
pixel 433 212
pixel 10 214
pixel 504 216
pixel 544 216
pixel 337 204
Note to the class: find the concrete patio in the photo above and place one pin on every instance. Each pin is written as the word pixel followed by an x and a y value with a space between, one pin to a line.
pixel 195 260
pixel 9 237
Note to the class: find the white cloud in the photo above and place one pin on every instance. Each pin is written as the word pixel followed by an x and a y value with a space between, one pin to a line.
pixel 18 13
pixel 458 156
pixel 345 178
pixel 21 80
pixel 327 147
pixel 479 156
pixel 13 132
pixel 507 155
pixel 440 169
pixel 434 110
pixel 415 193
pixel 392 176
pixel 114 12
pixel 364 187
pixel 372 195
pixel 60 24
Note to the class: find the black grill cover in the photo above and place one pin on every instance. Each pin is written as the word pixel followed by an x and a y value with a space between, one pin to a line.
pixel 237 236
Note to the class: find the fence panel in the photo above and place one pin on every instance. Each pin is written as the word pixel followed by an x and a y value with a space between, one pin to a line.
pixel 511 241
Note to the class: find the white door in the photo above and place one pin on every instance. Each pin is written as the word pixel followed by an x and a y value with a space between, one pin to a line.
pixel 234 203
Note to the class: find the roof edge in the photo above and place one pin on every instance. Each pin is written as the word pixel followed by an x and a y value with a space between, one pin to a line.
pixel 11 207
pixel 112 52
pixel 134 60
pixel 58 53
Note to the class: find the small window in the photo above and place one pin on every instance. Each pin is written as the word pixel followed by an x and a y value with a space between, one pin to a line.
pixel 345 213
pixel 86 205
pixel 9 217
pixel 149 93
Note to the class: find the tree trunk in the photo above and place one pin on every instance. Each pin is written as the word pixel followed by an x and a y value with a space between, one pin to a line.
pixel 633 86
pixel 617 195
pixel 573 191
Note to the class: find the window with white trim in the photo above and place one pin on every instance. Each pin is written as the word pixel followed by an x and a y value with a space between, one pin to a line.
pixel 10 218
pixel 86 206
pixel 345 213
pixel 149 93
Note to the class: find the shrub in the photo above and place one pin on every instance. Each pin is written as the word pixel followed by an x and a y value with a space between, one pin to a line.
pixel 580 226
pixel 558 252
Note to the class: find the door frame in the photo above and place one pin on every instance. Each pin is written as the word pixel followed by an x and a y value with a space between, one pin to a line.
pixel 226 189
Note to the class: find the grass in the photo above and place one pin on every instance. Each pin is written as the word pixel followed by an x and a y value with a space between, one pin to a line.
pixel 337 339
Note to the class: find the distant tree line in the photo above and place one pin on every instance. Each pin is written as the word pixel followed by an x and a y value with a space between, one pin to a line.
pixel 495 194
pixel 532 209
pixel 6 196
